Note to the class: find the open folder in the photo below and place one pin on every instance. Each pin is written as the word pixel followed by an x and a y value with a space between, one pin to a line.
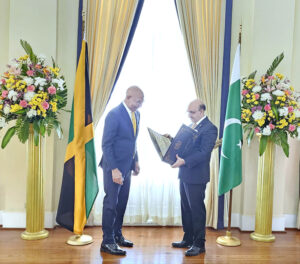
pixel 181 144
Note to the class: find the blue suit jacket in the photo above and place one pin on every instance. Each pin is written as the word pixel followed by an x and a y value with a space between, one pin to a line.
pixel 196 169
pixel 118 141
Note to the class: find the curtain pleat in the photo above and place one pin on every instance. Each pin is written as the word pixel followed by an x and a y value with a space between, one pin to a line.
pixel 200 25
pixel 108 27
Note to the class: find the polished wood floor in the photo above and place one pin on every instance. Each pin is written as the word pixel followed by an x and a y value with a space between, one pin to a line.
pixel 152 245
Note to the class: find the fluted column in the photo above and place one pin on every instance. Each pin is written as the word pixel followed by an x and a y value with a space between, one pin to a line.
pixel 35 210
pixel 264 196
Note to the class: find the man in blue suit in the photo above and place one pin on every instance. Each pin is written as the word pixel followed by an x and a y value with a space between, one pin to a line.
pixel 194 175
pixel 118 160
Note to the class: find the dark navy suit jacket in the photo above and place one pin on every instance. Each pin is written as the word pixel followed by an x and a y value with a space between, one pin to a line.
pixel 118 141
pixel 196 169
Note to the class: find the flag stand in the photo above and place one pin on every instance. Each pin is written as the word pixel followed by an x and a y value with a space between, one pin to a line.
pixel 80 240
pixel 229 240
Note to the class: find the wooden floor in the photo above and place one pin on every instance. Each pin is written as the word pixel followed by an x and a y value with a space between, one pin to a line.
pixel 152 245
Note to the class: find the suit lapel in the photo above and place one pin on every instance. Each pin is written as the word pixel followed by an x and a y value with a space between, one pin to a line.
pixel 126 117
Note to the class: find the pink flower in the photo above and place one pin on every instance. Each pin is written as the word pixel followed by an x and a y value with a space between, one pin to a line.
pixel 45 105
pixel 271 77
pixel 3 81
pixel 267 107
pixel 52 90
pixel 30 73
pixel 256 96
pixel 257 130
pixel 30 88
pixel 244 92
pixel 292 128
pixel 271 126
pixel 23 103
pixel 4 94
pixel 290 109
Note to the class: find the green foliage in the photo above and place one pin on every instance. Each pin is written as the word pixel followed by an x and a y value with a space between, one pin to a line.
pixel 22 129
pixel 252 75
pixel 274 64
pixel 28 50
pixel 262 144
pixel 9 134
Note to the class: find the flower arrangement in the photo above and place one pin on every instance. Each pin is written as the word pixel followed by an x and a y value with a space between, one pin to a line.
pixel 270 108
pixel 31 93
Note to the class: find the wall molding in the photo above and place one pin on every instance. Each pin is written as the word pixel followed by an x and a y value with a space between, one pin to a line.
pixel 247 222
pixel 18 219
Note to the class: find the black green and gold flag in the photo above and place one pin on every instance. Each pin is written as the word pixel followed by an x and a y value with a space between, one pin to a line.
pixel 80 184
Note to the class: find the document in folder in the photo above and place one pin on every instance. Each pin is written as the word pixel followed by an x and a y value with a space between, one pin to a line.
pixel 181 144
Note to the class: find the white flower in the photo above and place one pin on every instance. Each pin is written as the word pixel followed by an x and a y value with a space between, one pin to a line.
pixel 256 89
pixel 278 93
pixel 285 86
pixel 258 115
pixel 28 96
pixel 12 95
pixel 60 83
pixel 265 97
pixel 297 113
pixel 31 113
pixel 41 58
pixel 6 109
pixel 266 131
pixel 28 80
pixel 2 122
pixel 283 111
pixel 40 81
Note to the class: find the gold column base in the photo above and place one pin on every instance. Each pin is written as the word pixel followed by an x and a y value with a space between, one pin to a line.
pixel 262 238
pixel 80 240
pixel 35 236
pixel 228 240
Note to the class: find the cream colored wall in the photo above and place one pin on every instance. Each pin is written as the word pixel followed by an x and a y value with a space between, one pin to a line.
pixel 268 28
pixel 51 28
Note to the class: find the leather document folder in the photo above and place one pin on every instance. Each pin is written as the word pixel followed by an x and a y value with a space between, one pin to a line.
pixel 181 144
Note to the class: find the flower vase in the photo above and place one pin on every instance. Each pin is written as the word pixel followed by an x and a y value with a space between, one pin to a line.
pixel 35 195
pixel 264 196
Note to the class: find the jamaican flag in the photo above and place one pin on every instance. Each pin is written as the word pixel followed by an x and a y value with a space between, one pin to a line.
pixel 79 185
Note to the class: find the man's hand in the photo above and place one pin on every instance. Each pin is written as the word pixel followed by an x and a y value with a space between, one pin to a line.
pixel 179 162
pixel 168 136
pixel 137 169
pixel 117 176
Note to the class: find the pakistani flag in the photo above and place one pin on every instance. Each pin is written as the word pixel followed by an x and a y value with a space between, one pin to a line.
pixel 230 174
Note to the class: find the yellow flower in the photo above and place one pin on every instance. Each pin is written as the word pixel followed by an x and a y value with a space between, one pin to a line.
pixel 14 108
pixel 292 88
pixel 280 76
pixel 256 103
pixel 277 102
pixel 25 57
pixel 1 106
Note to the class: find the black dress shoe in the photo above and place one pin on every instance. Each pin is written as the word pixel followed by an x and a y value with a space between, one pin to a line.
pixel 181 244
pixel 121 241
pixel 194 251
pixel 113 249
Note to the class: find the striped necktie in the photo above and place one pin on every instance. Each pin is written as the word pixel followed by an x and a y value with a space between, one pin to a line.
pixel 194 125
pixel 133 120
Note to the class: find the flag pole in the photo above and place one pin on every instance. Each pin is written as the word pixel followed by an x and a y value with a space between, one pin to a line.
pixel 228 240
pixel 81 240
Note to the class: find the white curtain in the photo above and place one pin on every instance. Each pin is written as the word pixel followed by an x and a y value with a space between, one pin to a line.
pixel 156 62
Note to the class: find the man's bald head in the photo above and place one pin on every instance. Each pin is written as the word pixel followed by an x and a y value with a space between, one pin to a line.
pixel 134 98
pixel 196 110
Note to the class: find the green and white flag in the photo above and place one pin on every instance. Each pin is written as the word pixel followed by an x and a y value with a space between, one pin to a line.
pixel 230 174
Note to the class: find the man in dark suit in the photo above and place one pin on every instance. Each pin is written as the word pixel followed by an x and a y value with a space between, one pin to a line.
pixel 118 160
pixel 194 175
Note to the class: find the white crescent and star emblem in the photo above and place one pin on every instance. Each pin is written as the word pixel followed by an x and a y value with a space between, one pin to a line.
pixel 227 123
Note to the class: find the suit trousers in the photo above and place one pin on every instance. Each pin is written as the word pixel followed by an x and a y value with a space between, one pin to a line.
pixel 193 212
pixel 114 205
